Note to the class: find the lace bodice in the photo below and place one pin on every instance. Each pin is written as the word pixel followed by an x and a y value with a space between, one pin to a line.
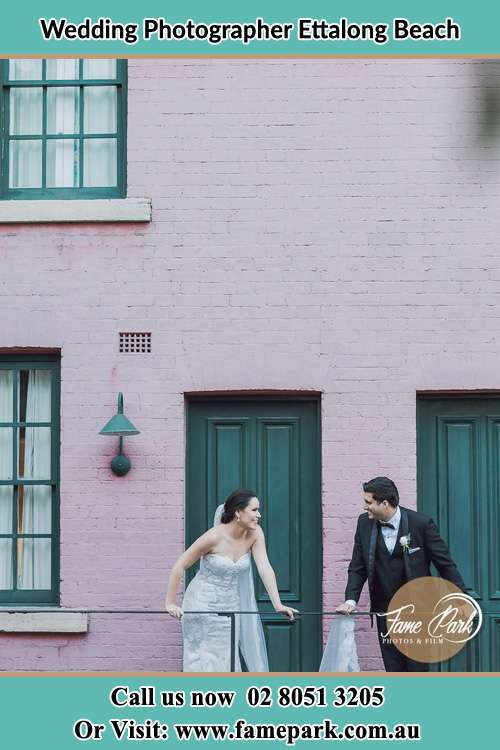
pixel 221 570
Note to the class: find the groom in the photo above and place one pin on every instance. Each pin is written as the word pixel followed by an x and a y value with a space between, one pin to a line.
pixel 379 557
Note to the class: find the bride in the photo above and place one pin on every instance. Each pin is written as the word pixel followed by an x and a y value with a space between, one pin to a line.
pixel 224 583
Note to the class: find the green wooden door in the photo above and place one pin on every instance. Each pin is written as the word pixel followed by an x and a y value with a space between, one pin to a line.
pixel 458 457
pixel 272 446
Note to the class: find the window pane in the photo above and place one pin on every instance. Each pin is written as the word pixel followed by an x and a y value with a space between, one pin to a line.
pixel 5 564
pixel 34 564
pixel 25 111
pixel 100 162
pixel 59 70
pixel 35 509
pixel 63 110
pixel 99 111
pixel 6 496
pixel 99 69
pixel 34 395
pixel 25 70
pixel 5 396
pixel 5 452
pixel 34 452
pixel 25 164
pixel 63 163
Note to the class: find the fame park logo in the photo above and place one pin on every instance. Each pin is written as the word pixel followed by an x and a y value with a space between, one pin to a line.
pixel 430 619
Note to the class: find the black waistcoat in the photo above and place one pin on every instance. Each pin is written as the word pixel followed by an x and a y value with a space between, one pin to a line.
pixel 389 573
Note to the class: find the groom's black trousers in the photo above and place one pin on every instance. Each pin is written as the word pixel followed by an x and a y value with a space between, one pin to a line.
pixel 394 660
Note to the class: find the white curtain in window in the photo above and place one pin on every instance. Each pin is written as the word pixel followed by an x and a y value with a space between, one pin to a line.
pixel 62 110
pixel 25 70
pixel 99 69
pixel 34 572
pixel 26 107
pixel 63 163
pixel 5 473
pixel 25 156
pixel 62 118
pixel 62 69
pixel 100 162
pixel 99 115
pixel 25 164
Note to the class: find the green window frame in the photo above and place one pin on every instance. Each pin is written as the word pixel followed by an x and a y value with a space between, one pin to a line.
pixel 18 543
pixel 45 134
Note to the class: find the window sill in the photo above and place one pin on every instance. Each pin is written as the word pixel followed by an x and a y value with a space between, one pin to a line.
pixel 57 211
pixel 58 621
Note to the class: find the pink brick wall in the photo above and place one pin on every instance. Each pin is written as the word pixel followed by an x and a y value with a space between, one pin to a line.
pixel 327 225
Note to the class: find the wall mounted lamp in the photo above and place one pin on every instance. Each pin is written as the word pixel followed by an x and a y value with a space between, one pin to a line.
pixel 121 426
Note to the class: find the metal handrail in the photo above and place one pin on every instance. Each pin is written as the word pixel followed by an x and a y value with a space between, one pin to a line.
pixel 12 609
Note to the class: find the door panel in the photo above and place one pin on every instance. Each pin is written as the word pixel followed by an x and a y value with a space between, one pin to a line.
pixel 458 451
pixel 278 460
pixel 460 492
pixel 269 445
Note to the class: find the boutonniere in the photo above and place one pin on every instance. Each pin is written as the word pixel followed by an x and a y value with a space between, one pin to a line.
pixel 405 542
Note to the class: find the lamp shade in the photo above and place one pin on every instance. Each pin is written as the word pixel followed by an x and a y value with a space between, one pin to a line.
pixel 119 424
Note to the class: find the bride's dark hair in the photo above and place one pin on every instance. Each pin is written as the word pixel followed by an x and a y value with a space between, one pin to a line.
pixel 237 500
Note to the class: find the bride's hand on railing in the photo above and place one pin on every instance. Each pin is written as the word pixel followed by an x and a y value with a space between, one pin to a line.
pixel 289 612
pixel 173 610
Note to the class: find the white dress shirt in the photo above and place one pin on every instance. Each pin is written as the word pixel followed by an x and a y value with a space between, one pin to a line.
pixel 389 535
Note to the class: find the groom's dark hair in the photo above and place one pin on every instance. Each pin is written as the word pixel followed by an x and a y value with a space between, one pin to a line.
pixel 382 488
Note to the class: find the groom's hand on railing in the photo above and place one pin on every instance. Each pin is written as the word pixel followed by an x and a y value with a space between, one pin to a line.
pixel 173 610
pixel 289 612
pixel 346 608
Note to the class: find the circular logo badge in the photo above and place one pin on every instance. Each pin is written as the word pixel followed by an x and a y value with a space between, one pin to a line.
pixel 430 619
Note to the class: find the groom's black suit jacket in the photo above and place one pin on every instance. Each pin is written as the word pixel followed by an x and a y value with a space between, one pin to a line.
pixel 386 572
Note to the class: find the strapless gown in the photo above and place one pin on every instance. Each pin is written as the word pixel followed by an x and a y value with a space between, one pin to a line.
pixel 207 638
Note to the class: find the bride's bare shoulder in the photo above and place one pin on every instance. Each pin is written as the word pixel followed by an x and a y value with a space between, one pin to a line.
pixel 208 540
pixel 213 534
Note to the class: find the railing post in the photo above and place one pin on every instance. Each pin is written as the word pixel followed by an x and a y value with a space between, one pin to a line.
pixel 233 644
pixel 232 635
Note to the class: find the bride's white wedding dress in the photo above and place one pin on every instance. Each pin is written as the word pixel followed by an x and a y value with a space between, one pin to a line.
pixel 226 585
pixel 222 585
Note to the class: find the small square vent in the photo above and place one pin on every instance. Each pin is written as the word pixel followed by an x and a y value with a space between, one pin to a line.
pixel 135 342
